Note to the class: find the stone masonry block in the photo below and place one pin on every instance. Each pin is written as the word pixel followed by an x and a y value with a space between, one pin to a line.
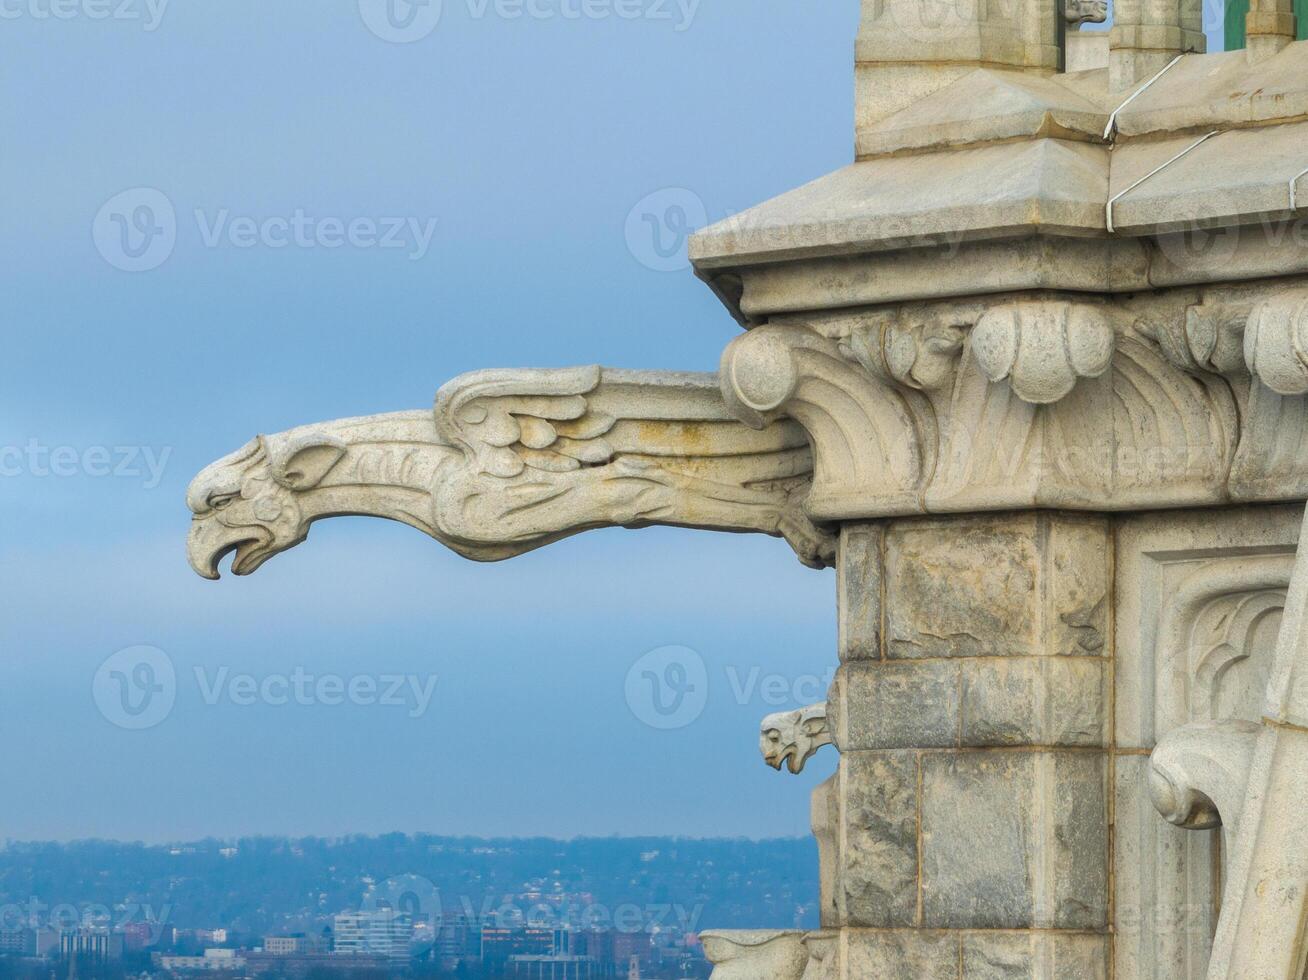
pixel 1045 701
pixel 859 586
pixel 1034 956
pixel 897 705
pixel 1014 840
pixel 1011 586
pixel 878 813
pixel 901 956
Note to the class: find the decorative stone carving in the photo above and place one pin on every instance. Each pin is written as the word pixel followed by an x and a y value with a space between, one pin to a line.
pixel 791 738
pixel 513 460
pixel 823 956
pixel 1199 774
pixel 1276 343
pixel 1043 349
pixel 866 434
pixel 764 954
pixel 1078 12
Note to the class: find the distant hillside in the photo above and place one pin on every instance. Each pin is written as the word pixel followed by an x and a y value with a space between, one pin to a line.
pixel 256 886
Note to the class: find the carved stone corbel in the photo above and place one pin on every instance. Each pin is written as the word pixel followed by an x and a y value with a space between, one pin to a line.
pixel 1209 338
pixel 865 433
pixel 1276 343
pixel 1044 348
pixel 791 738
pixel 762 954
pixel 1199 774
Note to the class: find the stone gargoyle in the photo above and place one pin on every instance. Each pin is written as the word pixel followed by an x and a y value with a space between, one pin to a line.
pixel 791 738
pixel 1078 12
pixel 512 460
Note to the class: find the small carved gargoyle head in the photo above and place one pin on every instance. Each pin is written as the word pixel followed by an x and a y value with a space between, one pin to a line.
pixel 791 738
pixel 246 502
pixel 1080 12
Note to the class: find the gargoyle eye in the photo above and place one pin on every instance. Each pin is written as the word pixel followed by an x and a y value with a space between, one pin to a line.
pixel 221 500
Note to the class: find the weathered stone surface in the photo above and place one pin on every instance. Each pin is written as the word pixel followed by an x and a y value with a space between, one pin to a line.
pixel 1042 817
pixel 859 578
pixel 1054 701
pixel 751 954
pixel 963 588
pixel 901 955
pixel 898 705
pixel 879 809
pixel 1034 956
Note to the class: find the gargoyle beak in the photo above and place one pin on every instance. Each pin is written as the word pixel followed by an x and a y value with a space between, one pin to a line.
pixel 210 541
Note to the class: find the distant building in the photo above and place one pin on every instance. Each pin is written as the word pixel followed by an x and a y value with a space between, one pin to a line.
pixel 457 939
pixel 28 942
pixel 300 964
pixel 139 935
pixel 292 945
pixel 555 968
pixel 383 932
pixel 95 945
pixel 213 959
pixel 630 945
pixel 499 943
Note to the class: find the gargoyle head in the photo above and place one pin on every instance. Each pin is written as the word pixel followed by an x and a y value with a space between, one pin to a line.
pixel 1080 12
pixel 246 502
pixel 791 738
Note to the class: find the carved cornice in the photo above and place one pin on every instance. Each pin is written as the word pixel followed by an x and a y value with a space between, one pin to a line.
pixel 1158 401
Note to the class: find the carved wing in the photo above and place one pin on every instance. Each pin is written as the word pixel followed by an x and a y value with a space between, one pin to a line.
pixel 553 452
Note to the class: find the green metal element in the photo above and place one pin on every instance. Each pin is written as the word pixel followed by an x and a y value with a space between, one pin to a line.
pixel 1237 10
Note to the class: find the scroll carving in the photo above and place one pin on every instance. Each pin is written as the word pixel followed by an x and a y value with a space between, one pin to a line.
pixel 1044 348
pixel 1185 399
pixel 864 434
pixel 1199 774
pixel 513 460
pixel 1276 343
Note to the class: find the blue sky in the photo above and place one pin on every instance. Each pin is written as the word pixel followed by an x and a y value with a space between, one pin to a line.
pixel 528 140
